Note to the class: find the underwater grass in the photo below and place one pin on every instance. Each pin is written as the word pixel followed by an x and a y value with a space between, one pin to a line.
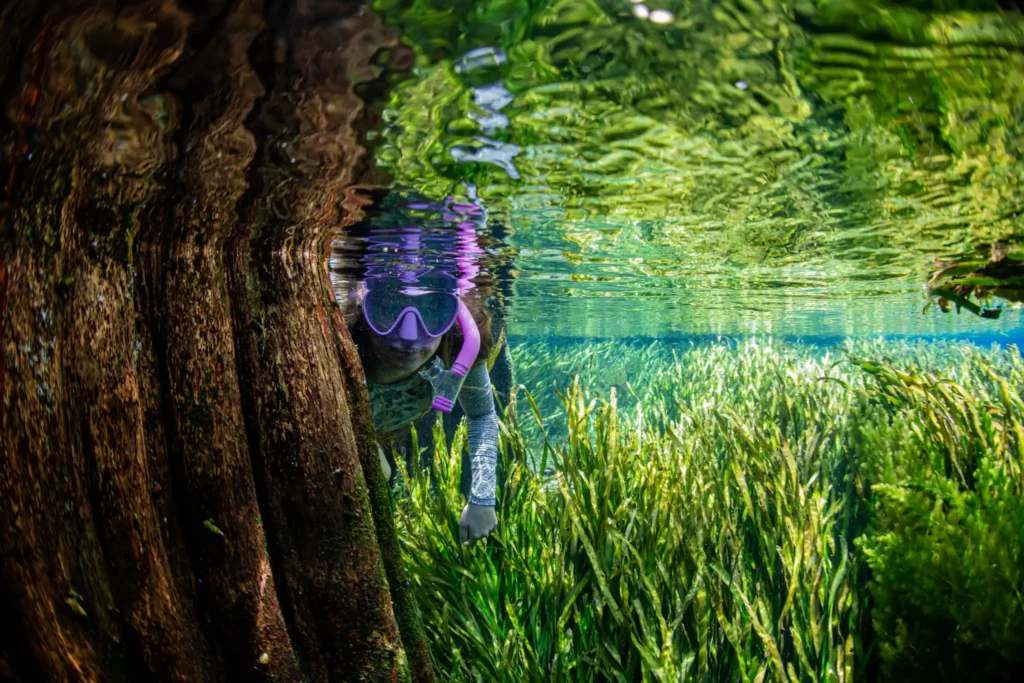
pixel 756 512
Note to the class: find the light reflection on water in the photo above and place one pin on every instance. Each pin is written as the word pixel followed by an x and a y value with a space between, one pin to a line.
pixel 721 167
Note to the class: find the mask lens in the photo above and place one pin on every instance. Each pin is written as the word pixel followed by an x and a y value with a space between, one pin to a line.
pixel 382 310
pixel 438 311
pixel 433 296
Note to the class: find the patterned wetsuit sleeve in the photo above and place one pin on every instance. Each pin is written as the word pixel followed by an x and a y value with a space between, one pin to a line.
pixel 482 420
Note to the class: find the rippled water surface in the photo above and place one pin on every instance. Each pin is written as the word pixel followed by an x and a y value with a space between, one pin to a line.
pixel 796 168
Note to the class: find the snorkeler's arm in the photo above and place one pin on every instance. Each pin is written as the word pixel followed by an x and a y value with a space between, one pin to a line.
pixel 477 401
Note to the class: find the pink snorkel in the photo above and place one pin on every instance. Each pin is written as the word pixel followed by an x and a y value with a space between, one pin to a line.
pixel 448 382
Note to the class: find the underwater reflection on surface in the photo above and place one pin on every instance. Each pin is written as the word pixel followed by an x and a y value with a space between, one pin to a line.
pixel 721 167
pixel 405 235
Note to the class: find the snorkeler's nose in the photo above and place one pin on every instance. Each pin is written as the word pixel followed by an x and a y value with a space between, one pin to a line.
pixel 407 331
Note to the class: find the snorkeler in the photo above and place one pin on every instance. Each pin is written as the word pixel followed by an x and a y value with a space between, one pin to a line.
pixel 411 311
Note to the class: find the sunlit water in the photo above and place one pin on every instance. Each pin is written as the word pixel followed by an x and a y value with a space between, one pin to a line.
pixel 706 168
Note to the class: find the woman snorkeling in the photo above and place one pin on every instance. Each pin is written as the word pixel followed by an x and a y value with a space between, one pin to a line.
pixel 424 335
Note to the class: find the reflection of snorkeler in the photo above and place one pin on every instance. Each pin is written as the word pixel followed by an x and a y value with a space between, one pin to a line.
pixel 409 317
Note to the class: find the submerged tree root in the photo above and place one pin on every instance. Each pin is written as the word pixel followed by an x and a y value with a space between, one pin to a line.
pixel 179 463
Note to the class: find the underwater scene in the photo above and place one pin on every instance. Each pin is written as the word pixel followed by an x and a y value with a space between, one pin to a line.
pixel 756 265
pixel 500 341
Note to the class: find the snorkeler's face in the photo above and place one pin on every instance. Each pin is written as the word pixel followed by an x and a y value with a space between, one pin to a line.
pixel 396 358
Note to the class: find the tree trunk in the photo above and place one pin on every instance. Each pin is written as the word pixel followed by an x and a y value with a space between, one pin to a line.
pixel 184 450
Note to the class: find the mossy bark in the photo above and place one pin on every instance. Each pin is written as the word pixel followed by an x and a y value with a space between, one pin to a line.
pixel 407 612
pixel 179 460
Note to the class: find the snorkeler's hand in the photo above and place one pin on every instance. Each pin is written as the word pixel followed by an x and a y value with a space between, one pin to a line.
pixel 476 522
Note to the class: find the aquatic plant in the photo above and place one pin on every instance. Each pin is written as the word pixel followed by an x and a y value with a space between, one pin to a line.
pixel 945 542
pixel 1001 276
pixel 737 512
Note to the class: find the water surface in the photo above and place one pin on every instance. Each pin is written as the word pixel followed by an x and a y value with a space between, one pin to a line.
pixel 748 166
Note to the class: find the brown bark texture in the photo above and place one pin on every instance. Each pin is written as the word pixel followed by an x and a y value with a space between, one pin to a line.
pixel 186 473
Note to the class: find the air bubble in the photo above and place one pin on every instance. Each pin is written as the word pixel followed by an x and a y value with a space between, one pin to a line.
pixel 661 16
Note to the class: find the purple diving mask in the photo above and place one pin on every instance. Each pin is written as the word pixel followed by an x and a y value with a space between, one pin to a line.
pixel 422 305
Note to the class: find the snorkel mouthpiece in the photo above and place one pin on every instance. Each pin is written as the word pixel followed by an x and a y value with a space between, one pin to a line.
pixel 448 383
